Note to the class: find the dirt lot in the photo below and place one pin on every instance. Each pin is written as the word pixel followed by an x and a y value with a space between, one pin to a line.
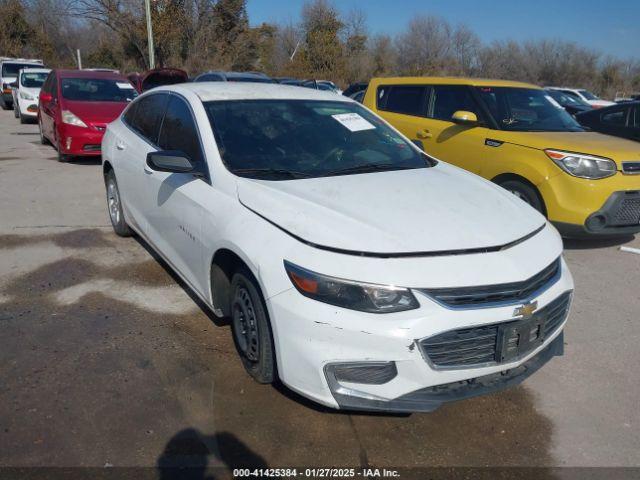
pixel 106 359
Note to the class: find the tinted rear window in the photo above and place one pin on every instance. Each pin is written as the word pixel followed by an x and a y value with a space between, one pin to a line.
pixel 406 99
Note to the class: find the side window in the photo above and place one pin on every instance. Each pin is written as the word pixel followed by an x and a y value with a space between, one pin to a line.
pixel 448 99
pixel 617 118
pixel 147 116
pixel 179 131
pixel 130 115
pixel 46 85
pixel 405 99
pixel 636 123
pixel 53 85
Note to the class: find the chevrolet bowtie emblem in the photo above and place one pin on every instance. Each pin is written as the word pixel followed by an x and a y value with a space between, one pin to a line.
pixel 526 310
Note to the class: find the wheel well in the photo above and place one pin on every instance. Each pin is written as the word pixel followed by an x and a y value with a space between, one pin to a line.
pixel 224 264
pixel 106 168
pixel 503 177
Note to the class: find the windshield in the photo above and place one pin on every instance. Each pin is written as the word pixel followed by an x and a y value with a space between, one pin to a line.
pixel 12 69
pixel 527 110
pixel 284 139
pixel 33 79
pixel 97 90
pixel 588 95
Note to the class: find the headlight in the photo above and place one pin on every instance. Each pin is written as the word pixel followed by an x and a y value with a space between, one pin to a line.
pixel 25 96
pixel 365 297
pixel 71 119
pixel 583 166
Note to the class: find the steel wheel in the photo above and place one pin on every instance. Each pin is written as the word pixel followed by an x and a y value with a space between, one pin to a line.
pixel 245 329
pixel 113 201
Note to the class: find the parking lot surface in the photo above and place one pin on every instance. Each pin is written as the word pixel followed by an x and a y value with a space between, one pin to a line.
pixel 106 358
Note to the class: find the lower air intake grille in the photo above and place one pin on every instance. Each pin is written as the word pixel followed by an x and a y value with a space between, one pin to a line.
pixel 483 345
pixel 628 213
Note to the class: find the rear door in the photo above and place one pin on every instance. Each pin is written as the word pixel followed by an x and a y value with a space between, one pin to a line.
pixel 405 107
pixel 175 217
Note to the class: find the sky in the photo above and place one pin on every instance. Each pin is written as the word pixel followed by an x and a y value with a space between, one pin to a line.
pixel 612 27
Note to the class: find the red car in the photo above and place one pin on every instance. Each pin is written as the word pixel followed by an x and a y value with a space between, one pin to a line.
pixel 76 106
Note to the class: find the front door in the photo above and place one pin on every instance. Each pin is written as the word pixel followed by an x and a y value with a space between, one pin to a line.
pixel 460 145
pixel 175 217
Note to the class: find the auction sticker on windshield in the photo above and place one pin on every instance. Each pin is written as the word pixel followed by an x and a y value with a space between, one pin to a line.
pixel 353 122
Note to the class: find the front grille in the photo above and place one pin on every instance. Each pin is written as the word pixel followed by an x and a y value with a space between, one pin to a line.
pixel 628 212
pixel 484 344
pixel 91 148
pixel 515 292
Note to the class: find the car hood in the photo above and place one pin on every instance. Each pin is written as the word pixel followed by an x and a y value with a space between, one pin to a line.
pixel 96 112
pixel 591 143
pixel 438 209
pixel 34 92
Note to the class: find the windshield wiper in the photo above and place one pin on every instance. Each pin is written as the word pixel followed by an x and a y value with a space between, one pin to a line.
pixel 367 168
pixel 271 172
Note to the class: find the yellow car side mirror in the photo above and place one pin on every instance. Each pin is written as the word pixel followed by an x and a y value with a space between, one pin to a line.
pixel 464 118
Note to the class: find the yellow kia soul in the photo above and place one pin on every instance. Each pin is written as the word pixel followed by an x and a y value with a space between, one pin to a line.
pixel 516 135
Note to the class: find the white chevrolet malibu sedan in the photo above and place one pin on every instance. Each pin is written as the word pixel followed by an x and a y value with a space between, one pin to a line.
pixel 353 267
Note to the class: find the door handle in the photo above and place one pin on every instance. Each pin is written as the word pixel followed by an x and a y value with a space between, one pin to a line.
pixel 424 134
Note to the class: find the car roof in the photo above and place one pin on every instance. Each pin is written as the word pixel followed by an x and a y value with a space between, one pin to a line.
pixel 212 91
pixel 475 82
pixel 88 74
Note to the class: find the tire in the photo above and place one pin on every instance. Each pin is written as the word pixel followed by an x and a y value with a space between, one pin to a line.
pixel 114 206
pixel 16 111
pixel 23 119
pixel 251 328
pixel 524 192
pixel 62 158
pixel 43 139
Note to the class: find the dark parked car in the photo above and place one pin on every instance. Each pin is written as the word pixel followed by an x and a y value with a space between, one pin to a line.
pixel 622 120
pixel 289 81
pixel 157 77
pixel 233 77
pixel 571 103
pixel 354 88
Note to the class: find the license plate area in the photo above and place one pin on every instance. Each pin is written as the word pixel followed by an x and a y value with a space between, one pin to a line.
pixel 516 339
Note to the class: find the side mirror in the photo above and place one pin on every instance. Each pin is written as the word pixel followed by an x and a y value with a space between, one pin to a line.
pixel 462 117
pixel 45 97
pixel 169 161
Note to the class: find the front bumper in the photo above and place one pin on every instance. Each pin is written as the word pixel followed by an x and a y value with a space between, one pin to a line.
pixel 28 108
pixel 620 215
pixel 429 399
pixel 579 207
pixel 78 141
pixel 315 336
